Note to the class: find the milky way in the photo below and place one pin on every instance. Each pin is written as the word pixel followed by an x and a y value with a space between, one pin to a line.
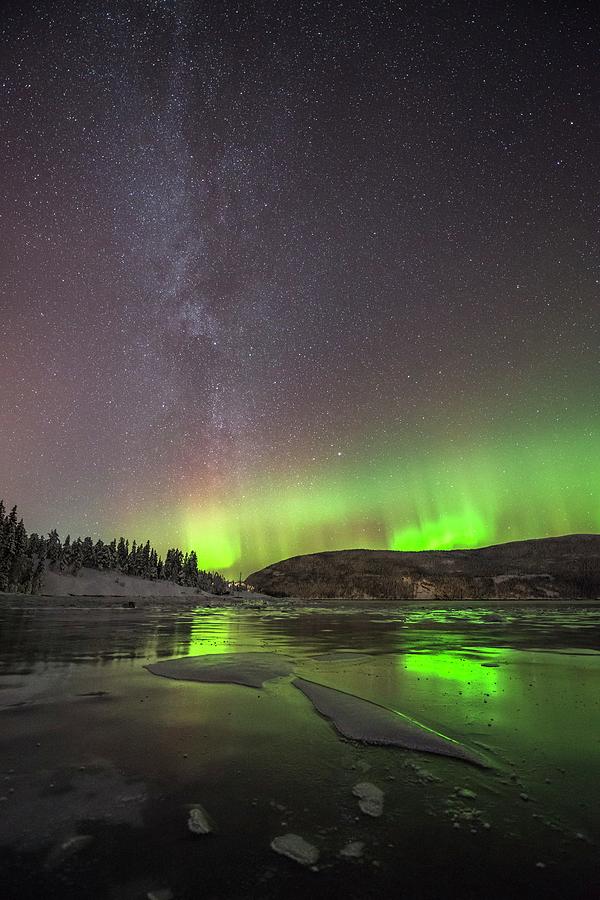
pixel 283 277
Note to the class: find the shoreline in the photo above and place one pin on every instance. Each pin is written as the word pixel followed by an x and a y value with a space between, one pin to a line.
pixel 259 602
pixel 118 601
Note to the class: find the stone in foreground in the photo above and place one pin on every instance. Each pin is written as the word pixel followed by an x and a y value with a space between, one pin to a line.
pixel 370 798
pixel 199 822
pixel 353 850
pixel 161 894
pixel 296 848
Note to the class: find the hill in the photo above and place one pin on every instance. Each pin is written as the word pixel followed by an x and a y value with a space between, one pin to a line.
pixel 557 567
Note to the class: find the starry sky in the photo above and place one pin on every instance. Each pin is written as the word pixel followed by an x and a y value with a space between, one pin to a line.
pixel 285 277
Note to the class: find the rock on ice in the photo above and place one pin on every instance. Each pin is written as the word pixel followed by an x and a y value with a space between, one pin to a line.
pixel 296 848
pixel 370 798
pixel 198 822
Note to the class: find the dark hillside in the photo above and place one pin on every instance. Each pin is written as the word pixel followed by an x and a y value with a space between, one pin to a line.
pixel 554 567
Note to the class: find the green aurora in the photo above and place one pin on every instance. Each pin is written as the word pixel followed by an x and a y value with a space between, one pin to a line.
pixel 537 486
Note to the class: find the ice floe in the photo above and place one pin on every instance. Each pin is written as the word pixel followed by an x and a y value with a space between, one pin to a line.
pixel 251 669
pixel 353 717
pixel 367 722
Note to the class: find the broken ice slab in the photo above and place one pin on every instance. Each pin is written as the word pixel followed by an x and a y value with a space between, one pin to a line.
pixel 250 669
pixel 368 722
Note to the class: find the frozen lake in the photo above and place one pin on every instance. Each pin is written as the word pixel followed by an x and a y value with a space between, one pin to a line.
pixel 101 760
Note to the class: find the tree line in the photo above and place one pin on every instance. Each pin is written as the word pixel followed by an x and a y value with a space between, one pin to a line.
pixel 24 558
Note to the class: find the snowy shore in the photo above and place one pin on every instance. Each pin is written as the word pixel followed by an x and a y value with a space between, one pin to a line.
pixel 93 588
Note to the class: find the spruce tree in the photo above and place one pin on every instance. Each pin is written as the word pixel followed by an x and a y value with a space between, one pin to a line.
pixel 190 569
pixel 4 561
pixel 66 557
pixel 122 553
pixel 101 555
pixel 132 560
pixel 87 550
pixel 53 548
pixel 77 554
pixel 8 550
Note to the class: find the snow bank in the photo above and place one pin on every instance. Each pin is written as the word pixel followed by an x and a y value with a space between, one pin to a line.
pixel 99 583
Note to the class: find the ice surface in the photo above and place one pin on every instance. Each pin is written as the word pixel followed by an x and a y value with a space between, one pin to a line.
pixel 367 722
pixel 46 804
pixel 354 718
pixel 63 851
pixel 251 669
pixel 340 656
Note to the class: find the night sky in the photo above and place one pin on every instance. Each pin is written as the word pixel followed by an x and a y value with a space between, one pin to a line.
pixel 285 277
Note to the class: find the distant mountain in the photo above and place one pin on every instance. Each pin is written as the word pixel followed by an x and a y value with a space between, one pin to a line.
pixel 558 567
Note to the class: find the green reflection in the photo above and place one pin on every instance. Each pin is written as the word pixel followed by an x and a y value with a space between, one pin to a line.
pixel 470 675
pixel 209 633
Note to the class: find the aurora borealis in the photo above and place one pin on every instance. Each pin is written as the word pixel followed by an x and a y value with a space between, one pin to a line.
pixel 280 278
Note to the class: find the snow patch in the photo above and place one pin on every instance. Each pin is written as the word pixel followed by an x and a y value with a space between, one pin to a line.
pixel 105 583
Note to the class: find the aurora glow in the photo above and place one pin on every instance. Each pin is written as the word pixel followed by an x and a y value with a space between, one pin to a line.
pixel 493 495
pixel 280 282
